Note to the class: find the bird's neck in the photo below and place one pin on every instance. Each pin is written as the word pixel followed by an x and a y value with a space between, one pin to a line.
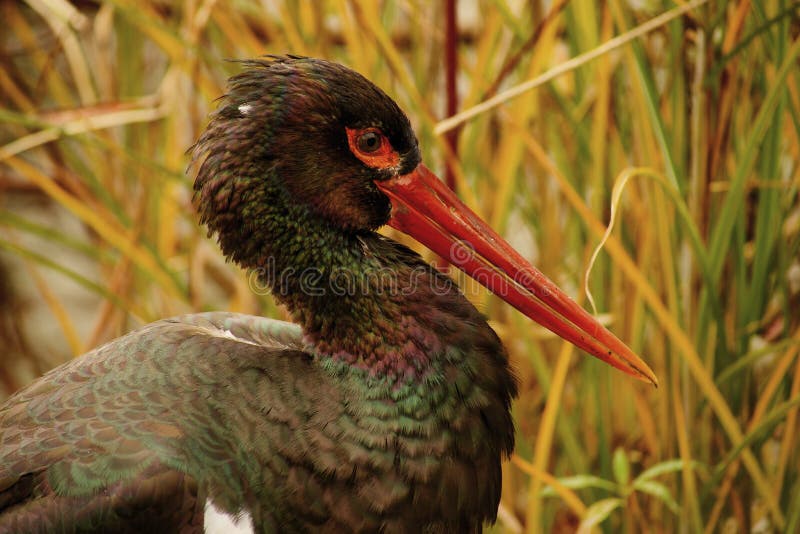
pixel 361 299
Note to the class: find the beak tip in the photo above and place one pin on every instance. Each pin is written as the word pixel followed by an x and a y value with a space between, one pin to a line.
pixel 647 375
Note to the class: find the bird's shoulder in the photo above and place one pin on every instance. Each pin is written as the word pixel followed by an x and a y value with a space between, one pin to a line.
pixel 178 396
pixel 185 352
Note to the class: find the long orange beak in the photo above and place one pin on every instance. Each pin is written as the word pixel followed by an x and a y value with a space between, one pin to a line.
pixel 424 208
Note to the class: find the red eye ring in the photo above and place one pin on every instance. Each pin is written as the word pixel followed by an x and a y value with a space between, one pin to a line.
pixel 372 147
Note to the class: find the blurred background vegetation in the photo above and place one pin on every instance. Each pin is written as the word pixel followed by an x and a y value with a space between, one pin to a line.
pixel 697 116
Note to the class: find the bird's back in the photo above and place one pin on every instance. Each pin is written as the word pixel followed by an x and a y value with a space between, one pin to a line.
pixel 109 440
pixel 225 408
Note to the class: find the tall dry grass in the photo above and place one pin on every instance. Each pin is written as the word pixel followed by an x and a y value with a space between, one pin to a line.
pixel 686 131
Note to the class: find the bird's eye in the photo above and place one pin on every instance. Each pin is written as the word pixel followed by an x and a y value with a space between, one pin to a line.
pixel 369 142
pixel 372 147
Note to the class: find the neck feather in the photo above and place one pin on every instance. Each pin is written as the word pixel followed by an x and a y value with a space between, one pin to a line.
pixel 362 299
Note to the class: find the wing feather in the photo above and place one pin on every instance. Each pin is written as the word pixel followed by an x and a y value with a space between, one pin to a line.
pixel 146 423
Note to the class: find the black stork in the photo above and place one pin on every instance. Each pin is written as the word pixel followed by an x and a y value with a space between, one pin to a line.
pixel 383 408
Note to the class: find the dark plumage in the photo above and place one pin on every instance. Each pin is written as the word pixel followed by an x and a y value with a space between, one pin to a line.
pixel 387 409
